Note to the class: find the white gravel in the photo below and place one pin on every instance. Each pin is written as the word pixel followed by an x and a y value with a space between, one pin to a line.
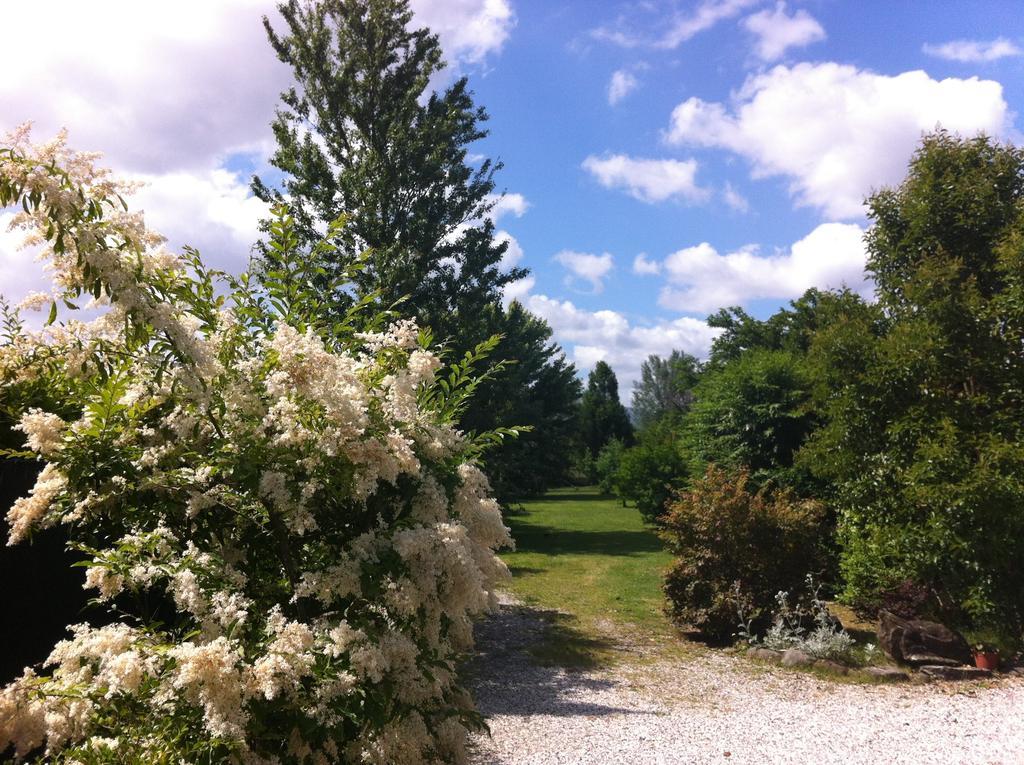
pixel 723 709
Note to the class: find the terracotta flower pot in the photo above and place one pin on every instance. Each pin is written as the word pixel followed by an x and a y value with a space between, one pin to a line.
pixel 986 660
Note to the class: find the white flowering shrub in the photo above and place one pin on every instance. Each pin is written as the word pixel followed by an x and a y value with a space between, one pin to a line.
pixel 287 528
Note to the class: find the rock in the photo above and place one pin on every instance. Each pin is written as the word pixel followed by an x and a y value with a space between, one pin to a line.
pixel 943 672
pixel 888 674
pixel 765 654
pixel 916 642
pixel 832 666
pixel 920 659
pixel 794 657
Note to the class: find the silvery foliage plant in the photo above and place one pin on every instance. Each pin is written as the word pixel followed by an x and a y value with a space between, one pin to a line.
pixel 826 639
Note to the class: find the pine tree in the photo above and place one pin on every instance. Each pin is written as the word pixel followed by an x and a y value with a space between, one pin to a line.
pixel 361 134
pixel 602 415
pixel 539 389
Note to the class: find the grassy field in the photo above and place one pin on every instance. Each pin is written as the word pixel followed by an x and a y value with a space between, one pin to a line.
pixel 591 558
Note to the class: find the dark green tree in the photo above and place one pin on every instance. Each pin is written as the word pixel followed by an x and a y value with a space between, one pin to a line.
pixel 665 387
pixel 789 329
pixel 752 413
pixel 360 133
pixel 653 470
pixel 753 408
pixel 602 415
pixel 924 392
pixel 540 389
pixel 606 466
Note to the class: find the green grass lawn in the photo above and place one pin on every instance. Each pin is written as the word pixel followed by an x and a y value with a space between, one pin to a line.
pixel 593 571
pixel 585 554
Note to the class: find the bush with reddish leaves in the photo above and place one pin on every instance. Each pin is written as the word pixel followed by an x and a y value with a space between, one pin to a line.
pixel 733 546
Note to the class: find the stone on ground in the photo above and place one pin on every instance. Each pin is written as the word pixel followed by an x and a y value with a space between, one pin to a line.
pixel 917 642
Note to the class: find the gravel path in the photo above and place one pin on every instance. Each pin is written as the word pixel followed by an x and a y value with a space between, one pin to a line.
pixel 717 708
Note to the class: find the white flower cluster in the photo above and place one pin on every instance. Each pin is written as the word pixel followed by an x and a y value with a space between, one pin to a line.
pixel 32 510
pixel 317 539
pixel 43 431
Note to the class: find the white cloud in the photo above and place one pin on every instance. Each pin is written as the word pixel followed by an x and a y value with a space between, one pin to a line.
pixel 469 29
pixel 154 86
pixel 583 265
pixel 837 132
pixel 592 336
pixel 622 83
pixel 777 31
pixel 708 13
pixel 506 204
pixel 514 251
pixel 168 86
pixel 517 290
pixel 644 266
pixel 734 199
pixel 649 180
pixel 673 31
pixel 974 51
pixel 20 272
pixel 212 211
pixel 700 279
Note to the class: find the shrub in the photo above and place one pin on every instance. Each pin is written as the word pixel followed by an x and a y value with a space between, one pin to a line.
pixel 296 491
pixel 732 546
pixel 607 465
pixel 651 472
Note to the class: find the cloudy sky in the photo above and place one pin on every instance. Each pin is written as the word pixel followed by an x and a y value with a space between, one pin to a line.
pixel 662 159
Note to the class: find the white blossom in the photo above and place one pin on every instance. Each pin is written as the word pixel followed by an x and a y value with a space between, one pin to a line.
pixel 244 435
pixel 43 430
pixel 29 511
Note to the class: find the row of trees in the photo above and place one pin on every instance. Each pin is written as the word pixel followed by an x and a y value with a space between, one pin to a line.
pixel 902 415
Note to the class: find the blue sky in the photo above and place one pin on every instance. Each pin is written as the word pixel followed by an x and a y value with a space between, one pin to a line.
pixel 662 158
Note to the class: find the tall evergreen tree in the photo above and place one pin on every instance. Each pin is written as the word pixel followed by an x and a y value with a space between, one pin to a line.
pixel 361 134
pixel 602 415
pixel 541 389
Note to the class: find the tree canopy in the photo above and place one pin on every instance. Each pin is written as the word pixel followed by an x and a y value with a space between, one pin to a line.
pixel 924 391
pixel 362 134
pixel 751 414
pixel 665 387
